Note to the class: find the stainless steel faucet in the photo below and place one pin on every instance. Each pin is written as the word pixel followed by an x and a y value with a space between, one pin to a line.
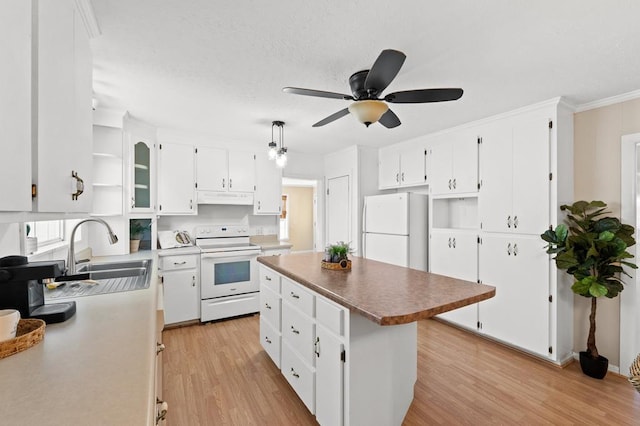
pixel 71 258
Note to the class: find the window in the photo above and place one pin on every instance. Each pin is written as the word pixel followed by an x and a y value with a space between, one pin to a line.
pixel 284 219
pixel 40 234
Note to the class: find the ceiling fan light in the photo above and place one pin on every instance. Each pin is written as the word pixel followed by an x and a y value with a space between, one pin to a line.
pixel 368 111
pixel 273 150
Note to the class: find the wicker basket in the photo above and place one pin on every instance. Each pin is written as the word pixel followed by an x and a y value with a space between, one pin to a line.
pixel 30 332
pixel 336 266
pixel 634 377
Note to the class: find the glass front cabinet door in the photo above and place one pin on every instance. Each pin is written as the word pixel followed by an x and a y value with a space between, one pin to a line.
pixel 142 197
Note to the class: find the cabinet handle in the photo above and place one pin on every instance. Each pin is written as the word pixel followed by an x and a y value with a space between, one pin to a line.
pixel 133 202
pixel 508 221
pixel 266 305
pixel 295 296
pixel 454 184
pixel 180 263
pixel 515 221
pixel 449 242
pixel 515 249
pixel 162 411
pixel 193 281
pixel 266 339
pixel 229 183
pixel 190 204
pixel 449 183
pixel 268 278
pixel 223 182
pixel 294 374
pixel 317 347
pixel 403 176
pixel 509 249
pixel 294 331
pixel 454 242
pixel 77 186
pixel 258 204
pixel 159 347
pixel 397 178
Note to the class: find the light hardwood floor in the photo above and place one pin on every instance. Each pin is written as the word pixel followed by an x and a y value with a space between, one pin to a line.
pixel 218 374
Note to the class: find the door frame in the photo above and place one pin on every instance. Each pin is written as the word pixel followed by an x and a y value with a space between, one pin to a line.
pixel 630 297
pixel 318 206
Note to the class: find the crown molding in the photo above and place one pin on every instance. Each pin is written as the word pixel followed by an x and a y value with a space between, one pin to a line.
pixel 609 101
pixel 85 8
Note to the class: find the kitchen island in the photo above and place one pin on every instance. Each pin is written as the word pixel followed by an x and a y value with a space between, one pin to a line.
pixel 366 317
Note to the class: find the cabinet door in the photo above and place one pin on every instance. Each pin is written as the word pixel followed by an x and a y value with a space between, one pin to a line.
pixel 242 171
pixel 268 196
pixel 329 378
pixel 455 254
pixel 441 165
pixel 412 166
pixel 531 174
pixel 15 106
pixel 519 269
pixel 212 169
pixel 388 168
pixel 142 154
pixel 496 160
pixel 181 296
pixel 465 163
pixel 176 179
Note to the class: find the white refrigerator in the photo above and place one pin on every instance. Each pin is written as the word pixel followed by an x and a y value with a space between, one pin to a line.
pixel 395 229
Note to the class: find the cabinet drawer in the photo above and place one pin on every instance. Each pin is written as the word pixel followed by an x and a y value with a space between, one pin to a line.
pixel 271 341
pixel 231 306
pixel 270 306
pixel 187 261
pixel 300 376
pixel 299 330
pixel 299 297
pixel 330 315
pixel 270 278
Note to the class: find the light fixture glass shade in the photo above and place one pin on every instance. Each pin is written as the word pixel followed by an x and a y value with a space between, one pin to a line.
pixel 273 150
pixel 281 158
pixel 368 111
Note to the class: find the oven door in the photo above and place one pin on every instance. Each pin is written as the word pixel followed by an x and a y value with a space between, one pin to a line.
pixel 228 273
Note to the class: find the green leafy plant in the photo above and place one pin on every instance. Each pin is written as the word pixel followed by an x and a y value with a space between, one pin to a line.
pixel 338 251
pixel 592 249
pixel 137 228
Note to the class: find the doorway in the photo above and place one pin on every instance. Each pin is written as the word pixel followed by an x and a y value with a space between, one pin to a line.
pixel 630 209
pixel 299 218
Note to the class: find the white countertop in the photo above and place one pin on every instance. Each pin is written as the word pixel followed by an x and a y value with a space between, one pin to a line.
pixel 97 368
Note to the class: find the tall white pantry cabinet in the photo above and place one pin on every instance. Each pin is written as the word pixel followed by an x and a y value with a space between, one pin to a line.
pixel 525 172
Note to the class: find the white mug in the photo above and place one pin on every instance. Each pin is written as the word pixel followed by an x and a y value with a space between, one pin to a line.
pixel 9 319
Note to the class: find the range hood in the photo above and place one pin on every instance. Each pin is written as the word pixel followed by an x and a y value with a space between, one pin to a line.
pixel 231 198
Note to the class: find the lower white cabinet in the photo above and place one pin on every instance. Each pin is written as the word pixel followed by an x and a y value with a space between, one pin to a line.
pixel 181 281
pixel 329 348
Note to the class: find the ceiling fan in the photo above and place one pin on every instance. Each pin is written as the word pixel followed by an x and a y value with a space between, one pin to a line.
pixel 367 87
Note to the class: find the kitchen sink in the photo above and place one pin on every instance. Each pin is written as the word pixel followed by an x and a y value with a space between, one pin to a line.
pixel 103 278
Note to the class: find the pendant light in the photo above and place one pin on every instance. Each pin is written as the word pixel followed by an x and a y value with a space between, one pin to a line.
pixel 278 151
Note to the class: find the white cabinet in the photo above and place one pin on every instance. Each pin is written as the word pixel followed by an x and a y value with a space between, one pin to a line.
pixel 181 282
pixel 267 198
pixel 15 106
pixel 454 253
pixel 176 179
pixel 519 269
pixel 515 175
pixel 227 171
pixel 63 118
pixel 398 167
pixel 454 163
pixel 140 151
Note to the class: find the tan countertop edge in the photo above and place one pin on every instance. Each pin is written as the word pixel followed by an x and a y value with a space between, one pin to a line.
pixel 95 368
pixel 476 292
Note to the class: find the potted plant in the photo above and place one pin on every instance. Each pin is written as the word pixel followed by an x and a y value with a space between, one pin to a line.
pixel 337 254
pixel 593 249
pixel 136 229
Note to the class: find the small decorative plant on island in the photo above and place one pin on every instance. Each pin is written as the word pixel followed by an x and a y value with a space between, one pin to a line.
pixel 593 249
pixel 336 256
pixel 136 229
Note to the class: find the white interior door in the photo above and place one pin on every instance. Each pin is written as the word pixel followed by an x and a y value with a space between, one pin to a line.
pixel 386 248
pixel 338 210
pixel 387 214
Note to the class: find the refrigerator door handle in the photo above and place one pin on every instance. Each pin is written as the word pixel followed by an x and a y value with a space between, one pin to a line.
pixel 364 227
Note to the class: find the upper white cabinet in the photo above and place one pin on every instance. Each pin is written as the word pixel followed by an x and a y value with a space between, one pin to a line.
pixel 140 145
pixel 62 79
pixel 515 174
pixel 454 163
pixel 222 170
pixel 176 179
pixel 398 167
pixel 267 198
pixel 15 105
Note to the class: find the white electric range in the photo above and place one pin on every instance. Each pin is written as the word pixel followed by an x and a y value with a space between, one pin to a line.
pixel 229 284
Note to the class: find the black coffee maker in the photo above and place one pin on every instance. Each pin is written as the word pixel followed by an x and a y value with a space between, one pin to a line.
pixel 21 288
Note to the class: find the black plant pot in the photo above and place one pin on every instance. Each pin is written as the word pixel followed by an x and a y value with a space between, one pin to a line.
pixel 594 367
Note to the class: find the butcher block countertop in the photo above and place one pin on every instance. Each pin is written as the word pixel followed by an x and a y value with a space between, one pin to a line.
pixel 385 294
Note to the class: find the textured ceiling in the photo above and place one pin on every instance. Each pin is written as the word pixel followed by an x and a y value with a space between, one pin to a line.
pixel 217 68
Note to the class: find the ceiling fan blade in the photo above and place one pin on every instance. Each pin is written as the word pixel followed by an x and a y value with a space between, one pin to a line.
pixel 332 117
pixel 384 70
pixel 424 96
pixel 316 93
pixel 389 120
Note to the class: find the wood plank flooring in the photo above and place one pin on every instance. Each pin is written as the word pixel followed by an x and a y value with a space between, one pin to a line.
pixel 218 374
